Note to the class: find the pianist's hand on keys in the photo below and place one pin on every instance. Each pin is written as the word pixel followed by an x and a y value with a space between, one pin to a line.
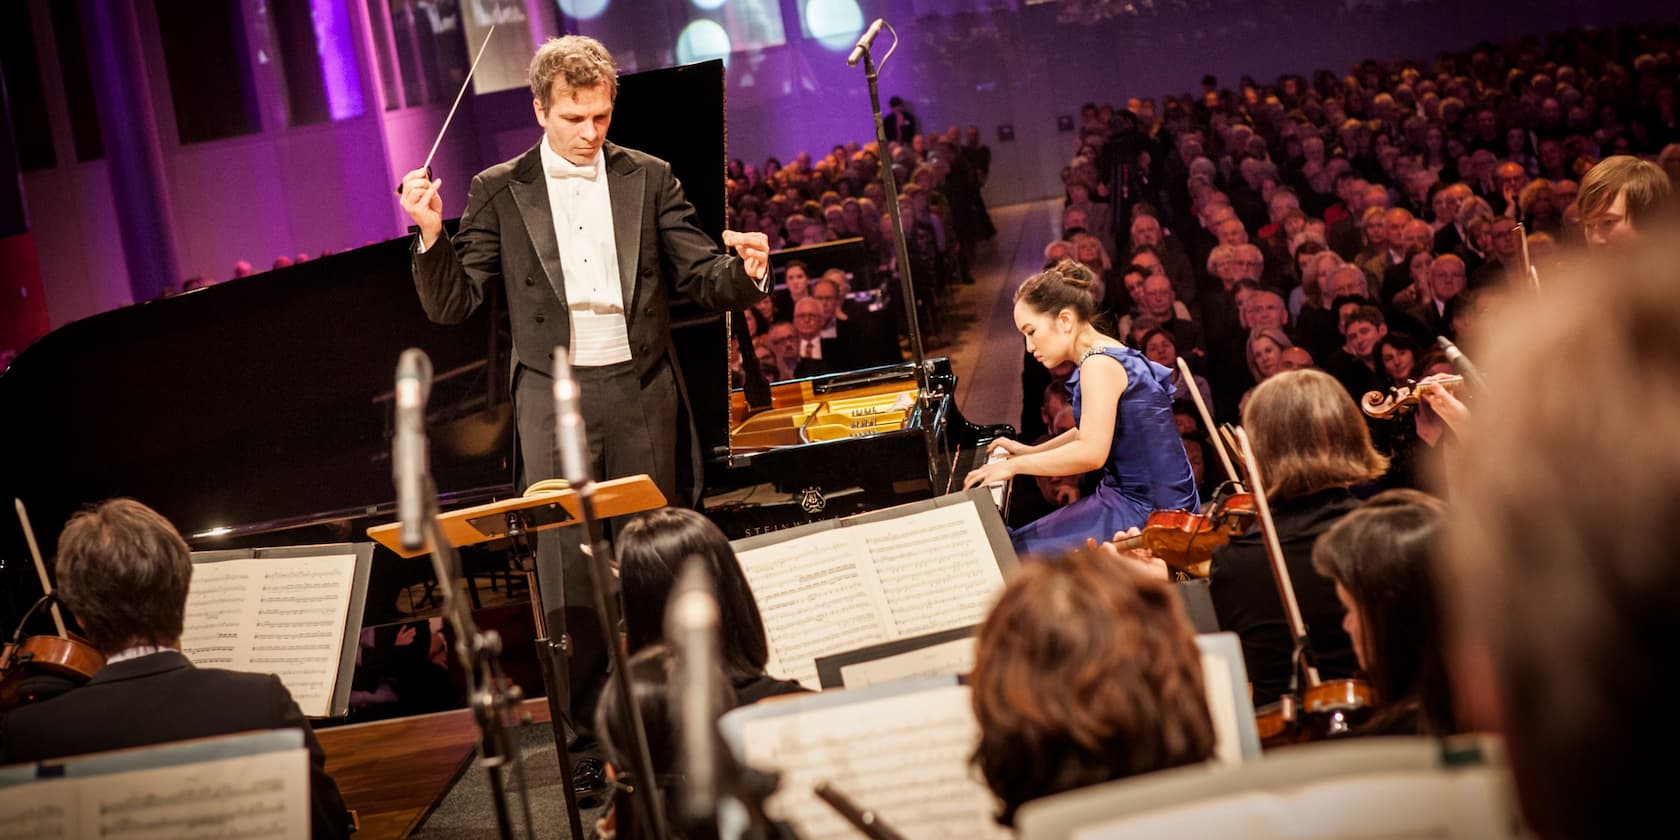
pixel 997 469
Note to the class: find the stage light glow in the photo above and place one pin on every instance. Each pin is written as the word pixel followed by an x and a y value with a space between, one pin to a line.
pixel 702 40
pixel 836 24
pixel 584 9
pixel 708 5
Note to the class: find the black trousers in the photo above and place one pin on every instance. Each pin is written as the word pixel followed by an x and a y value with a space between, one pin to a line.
pixel 632 427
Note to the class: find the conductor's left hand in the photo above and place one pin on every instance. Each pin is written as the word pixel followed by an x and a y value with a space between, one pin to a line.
pixel 754 249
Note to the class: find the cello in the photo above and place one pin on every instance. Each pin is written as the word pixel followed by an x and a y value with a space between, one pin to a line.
pixel 35 668
pixel 1325 708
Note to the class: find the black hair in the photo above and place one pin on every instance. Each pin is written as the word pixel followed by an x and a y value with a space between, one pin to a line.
pixel 651 551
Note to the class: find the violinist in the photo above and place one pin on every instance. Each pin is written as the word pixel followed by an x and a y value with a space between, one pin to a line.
pixel 123 572
pixel 1085 671
pixel 1122 405
pixel 1381 558
pixel 1313 445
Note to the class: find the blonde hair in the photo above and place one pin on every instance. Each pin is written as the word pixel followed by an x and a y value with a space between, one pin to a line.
pixel 575 61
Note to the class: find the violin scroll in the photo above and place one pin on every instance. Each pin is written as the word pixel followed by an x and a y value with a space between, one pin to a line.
pixel 1404 396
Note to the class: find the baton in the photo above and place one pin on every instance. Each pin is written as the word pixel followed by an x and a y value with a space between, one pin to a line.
pixel 446 120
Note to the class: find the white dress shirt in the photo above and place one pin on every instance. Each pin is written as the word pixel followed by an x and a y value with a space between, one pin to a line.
pixel 583 227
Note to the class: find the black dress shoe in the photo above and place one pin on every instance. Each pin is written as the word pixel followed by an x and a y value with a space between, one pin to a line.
pixel 589 782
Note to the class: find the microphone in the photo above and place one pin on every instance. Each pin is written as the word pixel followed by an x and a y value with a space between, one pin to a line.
pixel 865 42
pixel 408 466
pixel 691 626
pixel 1462 362
pixel 572 437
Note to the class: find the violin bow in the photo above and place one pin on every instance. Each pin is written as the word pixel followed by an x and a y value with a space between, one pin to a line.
pixel 1280 569
pixel 1529 270
pixel 1207 420
pixel 40 566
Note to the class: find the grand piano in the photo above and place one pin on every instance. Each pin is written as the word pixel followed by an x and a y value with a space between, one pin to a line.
pixel 258 412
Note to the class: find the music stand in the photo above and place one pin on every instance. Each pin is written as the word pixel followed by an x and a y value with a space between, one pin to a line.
pixel 540 509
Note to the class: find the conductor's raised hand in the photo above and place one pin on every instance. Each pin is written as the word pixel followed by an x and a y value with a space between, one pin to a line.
pixel 754 249
pixel 420 200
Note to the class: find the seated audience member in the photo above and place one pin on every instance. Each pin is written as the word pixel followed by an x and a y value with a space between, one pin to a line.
pixel 1395 357
pixel 1362 328
pixel 1085 671
pixel 1265 351
pixel 1295 358
pixel 1618 196
pixel 123 572
pixel 784 340
pixel 1382 560
pixel 817 355
pixel 1313 445
pixel 1560 558
pixel 1157 303
pixel 796 285
pixel 652 548
pixel 1160 347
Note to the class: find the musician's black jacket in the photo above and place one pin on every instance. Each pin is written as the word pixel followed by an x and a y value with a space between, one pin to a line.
pixel 1245 596
pixel 161 698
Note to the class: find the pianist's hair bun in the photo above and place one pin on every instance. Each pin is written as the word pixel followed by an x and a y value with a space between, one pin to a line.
pixel 1065 285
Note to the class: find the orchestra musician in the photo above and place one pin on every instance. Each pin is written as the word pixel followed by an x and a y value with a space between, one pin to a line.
pixel 1313 445
pixel 652 548
pixel 591 241
pixel 1085 671
pixel 1382 559
pixel 1122 405
pixel 123 571
pixel 1560 554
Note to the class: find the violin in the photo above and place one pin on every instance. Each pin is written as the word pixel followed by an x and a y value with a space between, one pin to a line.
pixel 1186 541
pixel 1404 396
pixel 1326 708
pixel 61 657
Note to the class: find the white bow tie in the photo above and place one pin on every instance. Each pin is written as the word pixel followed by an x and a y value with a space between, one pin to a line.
pixel 566 169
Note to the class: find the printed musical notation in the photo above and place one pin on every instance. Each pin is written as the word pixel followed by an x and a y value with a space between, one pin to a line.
pixel 841 589
pixel 273 616
pixel 258 796
pixel 904 756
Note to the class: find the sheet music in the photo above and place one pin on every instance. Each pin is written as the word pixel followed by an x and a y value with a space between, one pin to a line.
pixel 1398 805
pixel 259 796
pixel 936 569
pixel 953 657
pixel 273 616
pixel 814 600
pixel 850 587
pixel 39 810
pixel 1216 684
pixel 904 757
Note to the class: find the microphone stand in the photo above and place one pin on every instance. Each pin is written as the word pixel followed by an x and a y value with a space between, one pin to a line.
pixel 907 287
pixel 489 693
pixel 597 556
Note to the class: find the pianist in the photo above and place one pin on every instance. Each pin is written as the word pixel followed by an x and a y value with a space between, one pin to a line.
pixel 123 572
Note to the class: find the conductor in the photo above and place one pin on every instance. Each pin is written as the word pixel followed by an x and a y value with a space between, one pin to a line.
pixel 590 240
